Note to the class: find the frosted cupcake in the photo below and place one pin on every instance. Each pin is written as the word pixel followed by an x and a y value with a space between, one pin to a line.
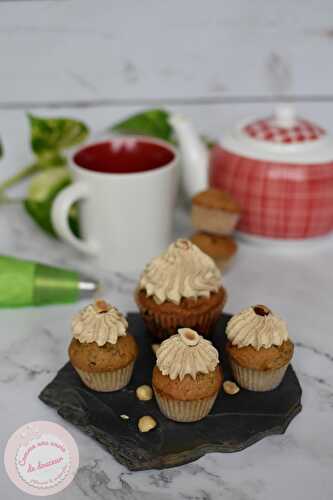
pixel 259 348
pixel 215 211
pixel 180 288
pixel 101 351
pixel 187 376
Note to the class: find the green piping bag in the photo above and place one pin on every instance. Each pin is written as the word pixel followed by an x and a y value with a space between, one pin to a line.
pixel 27 283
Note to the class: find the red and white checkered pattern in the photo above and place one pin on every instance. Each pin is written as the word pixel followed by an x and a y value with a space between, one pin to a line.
pixel 278 200
pixel 268 130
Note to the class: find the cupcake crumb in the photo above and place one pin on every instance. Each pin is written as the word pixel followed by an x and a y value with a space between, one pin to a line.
pixel 230 387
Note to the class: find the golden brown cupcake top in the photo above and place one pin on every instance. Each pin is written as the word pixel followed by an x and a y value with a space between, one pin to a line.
pixel 215 246
pixel 100 323
pixel 186 353
pixel 271 358
pixel 216 198
pixel 257 326
pixel 205 385
pixel 182 271
pixel 92 358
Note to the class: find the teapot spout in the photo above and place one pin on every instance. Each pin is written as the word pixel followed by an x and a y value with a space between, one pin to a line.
pixel 194 155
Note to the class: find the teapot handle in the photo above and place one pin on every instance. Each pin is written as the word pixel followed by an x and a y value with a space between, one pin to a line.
pixel 194 155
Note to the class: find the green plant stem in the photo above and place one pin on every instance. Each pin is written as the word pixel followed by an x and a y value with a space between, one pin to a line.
pixel 22 174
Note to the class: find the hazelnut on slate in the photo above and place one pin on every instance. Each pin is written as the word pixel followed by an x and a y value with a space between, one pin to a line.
pixel 230 387
pixel 144 393
pixel 146 423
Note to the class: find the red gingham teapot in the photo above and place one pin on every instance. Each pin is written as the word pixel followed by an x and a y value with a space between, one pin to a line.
pixel 279 169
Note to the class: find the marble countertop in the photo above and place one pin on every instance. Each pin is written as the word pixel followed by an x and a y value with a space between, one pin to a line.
pixel 297 465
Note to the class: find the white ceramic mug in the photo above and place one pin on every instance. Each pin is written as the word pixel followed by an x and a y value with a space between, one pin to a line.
pixel 127 192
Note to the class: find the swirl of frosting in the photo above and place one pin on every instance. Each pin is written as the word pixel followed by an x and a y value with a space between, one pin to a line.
pixel 258 327
pixel 186 353
pixel 100 323
pixel 182 271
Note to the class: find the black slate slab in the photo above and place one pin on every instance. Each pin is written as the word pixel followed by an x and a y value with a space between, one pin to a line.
pixel 235 422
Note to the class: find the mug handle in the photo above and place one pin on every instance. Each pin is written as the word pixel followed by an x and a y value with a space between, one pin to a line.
pixel 60 212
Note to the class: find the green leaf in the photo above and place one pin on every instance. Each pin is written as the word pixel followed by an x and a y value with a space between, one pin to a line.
pixel 1 149
pixel 41 194
pixel 50 159
pixel 55 134
pixel 153 122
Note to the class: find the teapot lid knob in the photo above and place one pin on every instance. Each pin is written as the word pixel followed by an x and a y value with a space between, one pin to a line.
pixel 285 116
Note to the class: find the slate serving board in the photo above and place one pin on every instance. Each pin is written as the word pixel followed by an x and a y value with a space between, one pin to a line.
pixel 235 422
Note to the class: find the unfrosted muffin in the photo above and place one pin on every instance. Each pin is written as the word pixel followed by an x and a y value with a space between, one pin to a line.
pixel 215 211
pixel 187 376
pixel 180 288
pixel 259 348
pixel 101 351
pixel 221 249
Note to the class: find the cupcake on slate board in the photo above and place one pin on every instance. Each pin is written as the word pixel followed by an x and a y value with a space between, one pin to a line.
pixel 259 348
pixel 180 288
pixel 187 376
pixel 215 211
pixel 221 249
pixel 101 351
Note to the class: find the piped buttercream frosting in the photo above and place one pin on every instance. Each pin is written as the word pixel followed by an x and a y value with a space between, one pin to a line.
pixel 182 271
pixel 256 326
pixel 100 323
pixel 186 353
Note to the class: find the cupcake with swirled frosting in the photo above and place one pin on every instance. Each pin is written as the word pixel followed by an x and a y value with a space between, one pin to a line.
pixel 187 376
pixel 101 351
pixel 180 288
pixel 259 348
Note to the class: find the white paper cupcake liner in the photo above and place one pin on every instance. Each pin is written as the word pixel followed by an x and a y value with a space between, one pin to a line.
pixel 257 380
pixel 216 221
pixel 107 381
pixel 184 411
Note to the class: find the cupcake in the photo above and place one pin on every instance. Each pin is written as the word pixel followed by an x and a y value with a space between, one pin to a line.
pixel 180 288
pixel 215 211
pixel 101 351
pixel 258 348
pixel 221 249
pixel 187 376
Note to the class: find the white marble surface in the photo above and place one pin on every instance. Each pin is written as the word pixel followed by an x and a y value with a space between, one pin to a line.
pixel 296 465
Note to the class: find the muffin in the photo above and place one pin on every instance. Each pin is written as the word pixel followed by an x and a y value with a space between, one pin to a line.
pixel 180 288
pixel 221 249
pixel 187 376
pixel 101 351
pixel 215 211
pixel 259 348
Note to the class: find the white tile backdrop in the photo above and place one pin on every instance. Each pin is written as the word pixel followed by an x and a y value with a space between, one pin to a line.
pixel 216 61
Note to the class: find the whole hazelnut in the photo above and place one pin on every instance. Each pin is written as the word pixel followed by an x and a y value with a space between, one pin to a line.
pixel 230 387
pixel 146 423
pixel 144 393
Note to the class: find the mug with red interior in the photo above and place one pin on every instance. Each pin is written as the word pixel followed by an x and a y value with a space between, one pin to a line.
pixel 126 189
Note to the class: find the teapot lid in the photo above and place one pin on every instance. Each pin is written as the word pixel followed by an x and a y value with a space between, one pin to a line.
pixel 281 137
